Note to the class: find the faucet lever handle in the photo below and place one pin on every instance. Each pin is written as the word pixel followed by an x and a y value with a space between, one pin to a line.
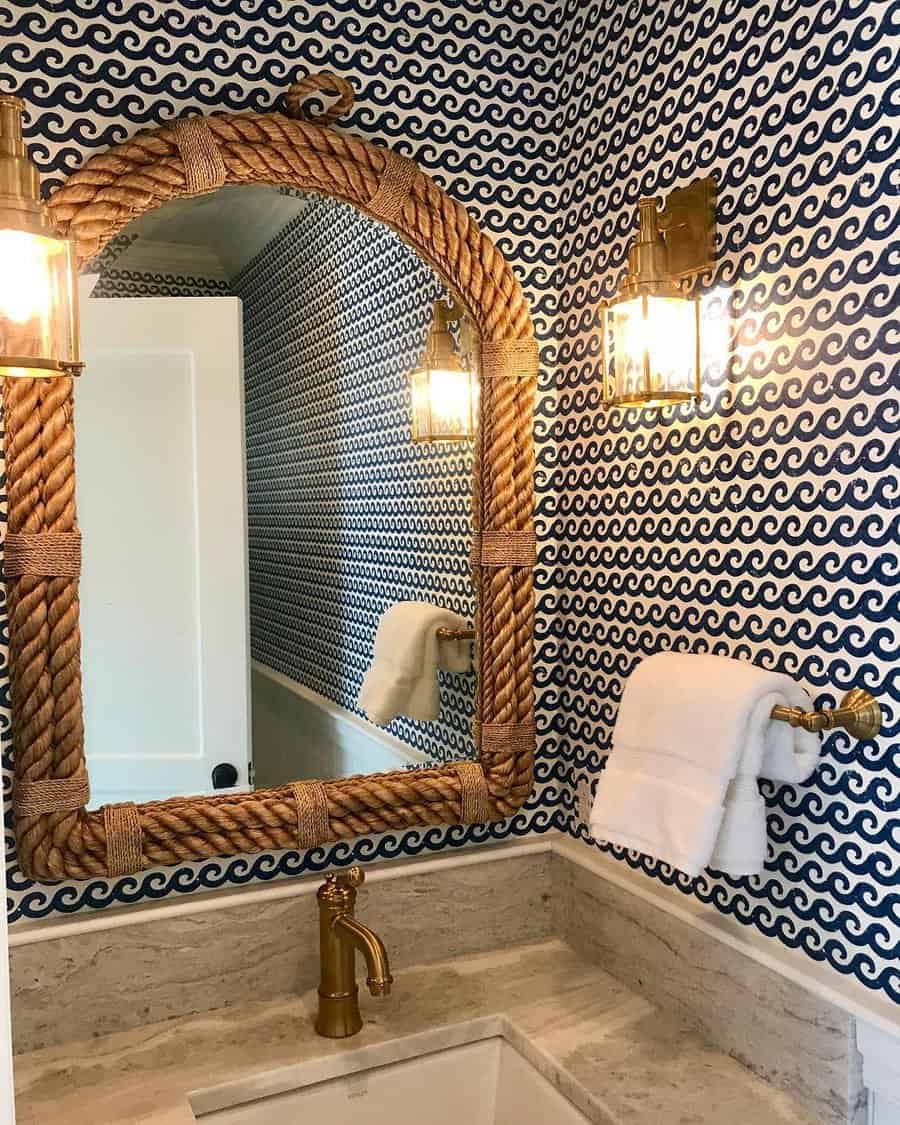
pixel 354 877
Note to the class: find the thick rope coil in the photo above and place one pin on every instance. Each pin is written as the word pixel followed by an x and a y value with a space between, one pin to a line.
pixel 325 82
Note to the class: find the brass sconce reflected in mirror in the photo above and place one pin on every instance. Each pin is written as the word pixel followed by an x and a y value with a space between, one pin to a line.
pixel 38 285
pixel 651 329
pixel 444 389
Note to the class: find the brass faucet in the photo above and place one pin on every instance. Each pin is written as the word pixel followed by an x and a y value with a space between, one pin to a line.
pixel 340 936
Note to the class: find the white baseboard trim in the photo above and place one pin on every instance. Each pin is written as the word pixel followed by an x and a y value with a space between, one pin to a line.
pixel 341 715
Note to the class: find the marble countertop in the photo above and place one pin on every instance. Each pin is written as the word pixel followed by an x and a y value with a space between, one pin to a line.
pixel 619 1059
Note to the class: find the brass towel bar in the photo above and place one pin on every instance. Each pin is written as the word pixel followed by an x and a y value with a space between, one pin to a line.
pixel 859 713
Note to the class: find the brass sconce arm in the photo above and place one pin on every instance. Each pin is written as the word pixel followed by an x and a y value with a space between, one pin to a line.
pixel 454 313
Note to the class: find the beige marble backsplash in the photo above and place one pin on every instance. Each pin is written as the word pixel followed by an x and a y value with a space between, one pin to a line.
pixel 110 980
pixel 113 980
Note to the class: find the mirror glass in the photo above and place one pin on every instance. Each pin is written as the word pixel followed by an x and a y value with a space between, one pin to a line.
pixel 251 498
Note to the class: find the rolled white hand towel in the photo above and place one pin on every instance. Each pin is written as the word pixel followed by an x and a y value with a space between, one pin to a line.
pixel 693 734
pixel 402 678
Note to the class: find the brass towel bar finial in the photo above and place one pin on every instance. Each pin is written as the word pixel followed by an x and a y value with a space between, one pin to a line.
pixel 859 714
pixel 445 634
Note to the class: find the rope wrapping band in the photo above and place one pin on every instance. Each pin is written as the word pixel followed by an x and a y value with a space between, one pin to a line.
pixel 509 359
pixel 55 794
pixel 504 548
pixel 394 187
pixel 474 796
pixel 49 554
pixel 124 845
pixel 313 825
pixel 204 168
pixel 504 738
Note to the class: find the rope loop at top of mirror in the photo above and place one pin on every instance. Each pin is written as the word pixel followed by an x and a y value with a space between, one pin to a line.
pixel 324 83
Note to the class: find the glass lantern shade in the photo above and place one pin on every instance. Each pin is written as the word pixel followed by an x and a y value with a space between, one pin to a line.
pixel 444 404
pixel 655 345
pixel 38 335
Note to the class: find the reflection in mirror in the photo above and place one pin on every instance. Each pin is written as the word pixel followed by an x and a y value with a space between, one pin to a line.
pixel 251 499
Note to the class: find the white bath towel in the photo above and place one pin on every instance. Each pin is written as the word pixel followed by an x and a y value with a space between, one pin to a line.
pixel 693 734
pixel 402 678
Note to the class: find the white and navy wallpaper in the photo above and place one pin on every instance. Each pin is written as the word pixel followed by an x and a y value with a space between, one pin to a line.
pixel 346 514
pixel 761 523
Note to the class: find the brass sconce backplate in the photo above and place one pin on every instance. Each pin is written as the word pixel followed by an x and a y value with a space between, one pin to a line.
pixel 689 224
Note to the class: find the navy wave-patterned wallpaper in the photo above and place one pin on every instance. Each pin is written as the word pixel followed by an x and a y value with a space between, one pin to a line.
pixel 138 283
pixel 466 87
pixel 346 514
pixel 762 523
pixel 759 524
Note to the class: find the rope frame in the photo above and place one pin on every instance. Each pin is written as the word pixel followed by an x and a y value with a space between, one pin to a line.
pixel 92 206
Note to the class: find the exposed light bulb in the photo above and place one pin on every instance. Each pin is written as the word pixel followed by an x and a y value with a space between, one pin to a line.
pixel 26 287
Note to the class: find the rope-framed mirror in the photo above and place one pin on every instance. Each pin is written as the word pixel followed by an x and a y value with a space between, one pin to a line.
pixel 58 836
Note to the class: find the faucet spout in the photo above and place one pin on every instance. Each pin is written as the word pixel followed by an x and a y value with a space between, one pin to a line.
pixel 370 945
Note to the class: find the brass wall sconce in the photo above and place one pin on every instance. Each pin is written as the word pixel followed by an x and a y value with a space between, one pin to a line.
pixel 651 328
pixel 38 283
pixel 445 388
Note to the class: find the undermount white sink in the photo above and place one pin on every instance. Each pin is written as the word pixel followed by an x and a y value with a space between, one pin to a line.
pixel 483 1083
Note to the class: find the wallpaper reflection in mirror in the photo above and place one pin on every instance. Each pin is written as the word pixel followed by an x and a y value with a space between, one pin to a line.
pixel 344 514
